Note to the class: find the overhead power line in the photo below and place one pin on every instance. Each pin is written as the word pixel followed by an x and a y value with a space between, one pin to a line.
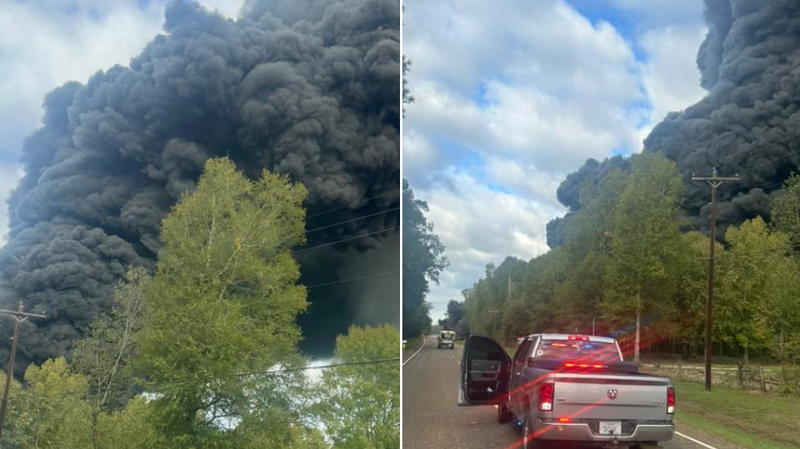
pixel 380 231
pixel 390 192
pixel 352 219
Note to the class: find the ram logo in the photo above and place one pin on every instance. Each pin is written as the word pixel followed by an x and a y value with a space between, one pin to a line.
pixel 613 393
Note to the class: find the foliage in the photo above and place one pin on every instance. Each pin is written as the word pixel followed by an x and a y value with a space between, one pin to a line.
pixel 786 210
pixel 360 404
pixel 754 285
pixel 423 261
pixel 645 237
pixel 224 297
pixel 627 249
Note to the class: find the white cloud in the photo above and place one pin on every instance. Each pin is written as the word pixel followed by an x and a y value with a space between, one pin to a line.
pixel 671 76
pixel 46 44
pixel 228 8
pixel 479 225
pixel 509 100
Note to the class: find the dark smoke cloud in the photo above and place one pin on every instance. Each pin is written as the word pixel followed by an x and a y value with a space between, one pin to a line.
pixel 308 88
pixel 749 123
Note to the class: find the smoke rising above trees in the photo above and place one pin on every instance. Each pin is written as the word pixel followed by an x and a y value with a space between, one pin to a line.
pixel 747 124
pixel 304 88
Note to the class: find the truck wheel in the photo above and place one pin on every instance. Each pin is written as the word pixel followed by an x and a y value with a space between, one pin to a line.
pixel 504 415
pixel 646 445
pixel 528 441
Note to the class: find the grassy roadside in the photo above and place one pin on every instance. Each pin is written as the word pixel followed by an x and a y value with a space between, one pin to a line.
pixel 411 347
pixel 750 420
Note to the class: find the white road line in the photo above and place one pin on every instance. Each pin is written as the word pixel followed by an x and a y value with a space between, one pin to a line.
pixel 418 350
pixel 695 441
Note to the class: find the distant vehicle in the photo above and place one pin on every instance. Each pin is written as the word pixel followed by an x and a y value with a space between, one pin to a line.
pixel 445 339
pixel 568 388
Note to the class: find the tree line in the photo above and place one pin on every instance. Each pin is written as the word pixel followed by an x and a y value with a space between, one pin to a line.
pixel 631 265
pixel 202 351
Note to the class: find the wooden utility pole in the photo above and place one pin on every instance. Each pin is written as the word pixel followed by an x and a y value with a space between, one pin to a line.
pixel 714 181
pixel 19 316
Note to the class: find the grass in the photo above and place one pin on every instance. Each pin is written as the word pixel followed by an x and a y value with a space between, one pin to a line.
pixel 411 347
pixel 752 420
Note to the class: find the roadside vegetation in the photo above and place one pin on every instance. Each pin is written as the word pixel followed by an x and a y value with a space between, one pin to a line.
pixel 423 261
pixel 729 413
pixel 412 345
pixel 202 352
pixel 631 267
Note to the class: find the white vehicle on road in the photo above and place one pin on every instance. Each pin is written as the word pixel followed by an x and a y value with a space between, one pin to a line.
pixel 563 388
pixel 446 340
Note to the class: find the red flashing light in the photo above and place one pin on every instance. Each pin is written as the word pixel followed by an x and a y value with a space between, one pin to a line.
pixel 546 392
pixel 577 338
pixel 670 400
pixel 564 420
pixel 584 365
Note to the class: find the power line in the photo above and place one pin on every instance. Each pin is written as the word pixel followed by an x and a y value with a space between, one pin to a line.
pixel 368 276
pixel 311 248
pixel 359 202
pixel 309 287
pixel 352 219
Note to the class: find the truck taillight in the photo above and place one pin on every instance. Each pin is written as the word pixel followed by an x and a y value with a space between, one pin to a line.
pixel 546 392
pixel 670 400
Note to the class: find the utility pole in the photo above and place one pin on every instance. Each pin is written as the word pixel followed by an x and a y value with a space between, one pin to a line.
pixel 19 316
pixel 714 181
pixel 592 325
pixel 508 298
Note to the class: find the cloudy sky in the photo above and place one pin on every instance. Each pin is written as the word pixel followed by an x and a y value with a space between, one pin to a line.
pixel 46 43
pixel 511 98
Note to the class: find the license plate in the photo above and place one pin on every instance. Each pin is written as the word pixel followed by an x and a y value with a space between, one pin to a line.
pixel 610 428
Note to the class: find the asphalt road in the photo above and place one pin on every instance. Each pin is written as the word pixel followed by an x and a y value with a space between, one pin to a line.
pixel 432 419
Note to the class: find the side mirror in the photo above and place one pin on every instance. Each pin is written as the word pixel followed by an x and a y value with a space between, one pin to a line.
pixel 485 372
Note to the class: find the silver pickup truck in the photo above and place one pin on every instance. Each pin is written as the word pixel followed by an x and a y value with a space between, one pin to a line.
pixel 562 389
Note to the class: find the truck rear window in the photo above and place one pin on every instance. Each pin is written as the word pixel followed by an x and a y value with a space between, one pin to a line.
pixel 564 349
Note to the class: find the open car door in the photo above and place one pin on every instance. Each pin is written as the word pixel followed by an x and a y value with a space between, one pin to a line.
pixel 485 369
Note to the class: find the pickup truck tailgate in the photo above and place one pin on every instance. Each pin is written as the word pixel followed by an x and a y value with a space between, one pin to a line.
pixel 609 396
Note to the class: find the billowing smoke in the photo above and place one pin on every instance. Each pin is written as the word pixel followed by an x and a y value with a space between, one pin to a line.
pixel 304 87
pixel 749 123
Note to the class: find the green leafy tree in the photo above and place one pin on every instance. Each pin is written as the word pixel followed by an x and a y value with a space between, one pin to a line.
pixel 644 240
pixel 223 301
pixel 105 354
pixel 756 261
pixel 360 404
pixel 52 410
pixel 423 261
pixel 786 210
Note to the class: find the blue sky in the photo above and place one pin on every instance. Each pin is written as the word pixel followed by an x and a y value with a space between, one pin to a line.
pixel 511 99
pixel 45 44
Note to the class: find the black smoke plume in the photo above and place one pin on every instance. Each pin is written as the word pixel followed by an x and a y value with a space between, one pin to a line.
pixel 748 124
pixel 304 87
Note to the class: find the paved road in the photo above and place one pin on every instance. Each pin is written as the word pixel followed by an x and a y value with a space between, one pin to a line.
pixel 433 420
